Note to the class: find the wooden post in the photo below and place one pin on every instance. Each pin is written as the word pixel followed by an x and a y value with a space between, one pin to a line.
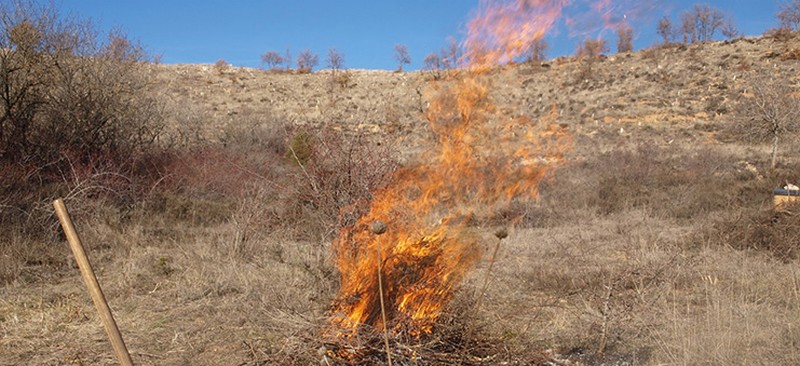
pixel 87 273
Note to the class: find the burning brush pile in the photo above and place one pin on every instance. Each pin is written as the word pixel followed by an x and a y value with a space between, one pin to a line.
pixel 403 262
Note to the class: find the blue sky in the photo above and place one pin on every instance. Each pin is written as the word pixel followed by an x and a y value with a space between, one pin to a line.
pixel 365 31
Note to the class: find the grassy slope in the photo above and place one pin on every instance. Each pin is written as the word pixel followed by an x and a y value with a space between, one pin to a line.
pixel 621 255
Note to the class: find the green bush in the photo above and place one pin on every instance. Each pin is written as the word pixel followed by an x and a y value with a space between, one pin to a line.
pixel 300 148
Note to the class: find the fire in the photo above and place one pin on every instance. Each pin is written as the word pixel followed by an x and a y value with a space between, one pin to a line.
pixel 504 31
pixel 481 161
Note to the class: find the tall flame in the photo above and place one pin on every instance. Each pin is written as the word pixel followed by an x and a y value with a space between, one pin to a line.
pixel 481 160
pixel 504 31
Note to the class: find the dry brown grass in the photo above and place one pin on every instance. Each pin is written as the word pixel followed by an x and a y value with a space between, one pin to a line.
pixel 654 245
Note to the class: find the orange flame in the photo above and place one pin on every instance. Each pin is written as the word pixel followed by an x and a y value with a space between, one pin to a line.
pixel 481 160
pixel 503 31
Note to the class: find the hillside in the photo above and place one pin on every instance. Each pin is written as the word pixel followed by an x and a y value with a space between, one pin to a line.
pixel 676 86
pixel 653 242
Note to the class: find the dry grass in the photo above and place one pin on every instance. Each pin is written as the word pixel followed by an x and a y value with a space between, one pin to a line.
pixel 653 246
pixel 623 290
pixel 193 299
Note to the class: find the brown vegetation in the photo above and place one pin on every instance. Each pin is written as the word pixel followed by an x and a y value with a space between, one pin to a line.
pixel 401 55
pixel 592 49
pixel 334 60
pixel 306 61
pixel 538 51
pixel 699 24
pixel 655 244
pixel 665 30
pixel 272 59
pixel 789 15
pixel 768 113
pixel 625 39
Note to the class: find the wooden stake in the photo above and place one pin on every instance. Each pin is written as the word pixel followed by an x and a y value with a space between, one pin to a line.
pixel 93 286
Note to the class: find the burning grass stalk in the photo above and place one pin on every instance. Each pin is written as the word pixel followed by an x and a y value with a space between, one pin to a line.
pixel 379 228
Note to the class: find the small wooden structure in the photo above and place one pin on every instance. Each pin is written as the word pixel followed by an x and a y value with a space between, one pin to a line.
pixel 783 198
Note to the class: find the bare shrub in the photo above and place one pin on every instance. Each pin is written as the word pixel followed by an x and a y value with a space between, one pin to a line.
pixel 729 29
pixel 703 22
pixel 334 60
pixel 665 30
pixel 65 89
pixel 307 182
pixel 538 50
pixel 339 178
pixel 688 28
pixel 402 56
pixel 338 79
pixel 343 80
pixel 221 66
pixel 767 113
pixel 287 59
pixel 777 234
pixel 205 182
pixel 432 62
pixel 306 61
pixel 451 55
pixel 789 15
pixel 433 65
pixel 272 59
pixel 706 21
pixel 76 110
pixel 590 52
pixel 592 49
pixel 625 39
pixel 780 34
pixel 679 185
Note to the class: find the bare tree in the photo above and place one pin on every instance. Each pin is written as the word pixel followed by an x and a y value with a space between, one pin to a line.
pixel 789 15
pixel 334 60
pixel 401 55
pixel 272 59
pixel 709 20
pixel 625 39
pixel 306 61
pixel 729 29
pixel 665 30
pixel 538 50
pixel 451 55
pixel 703 22
pixel 287 59
pixel 432 62
pixel 770 113
pixel 592 49
pixel 688 28
pixel 65 89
